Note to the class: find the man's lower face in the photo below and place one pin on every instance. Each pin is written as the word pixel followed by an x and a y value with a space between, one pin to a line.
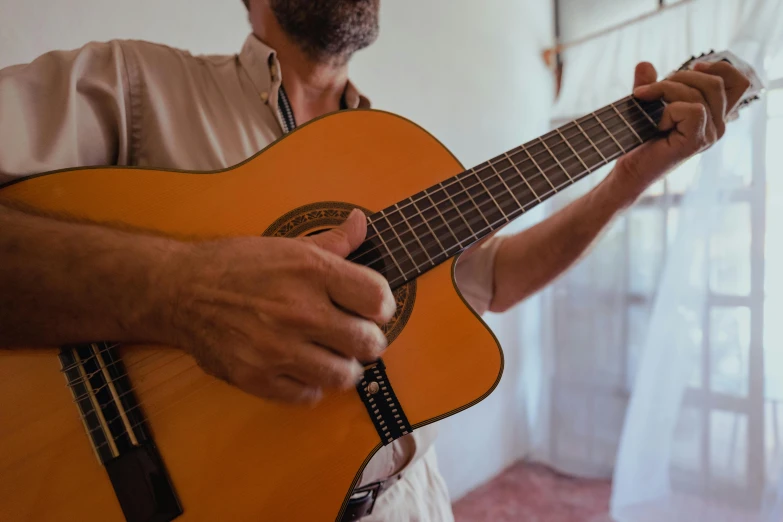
pixel 329 28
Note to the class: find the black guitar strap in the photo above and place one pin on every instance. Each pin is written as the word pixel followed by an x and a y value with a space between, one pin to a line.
pixel 375 390
pixel 287 112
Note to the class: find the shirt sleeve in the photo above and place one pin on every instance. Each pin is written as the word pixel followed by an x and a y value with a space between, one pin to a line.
pixel 475 273
pixel 65 109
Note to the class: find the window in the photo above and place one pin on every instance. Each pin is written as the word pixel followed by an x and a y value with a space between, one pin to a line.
pixel 732 422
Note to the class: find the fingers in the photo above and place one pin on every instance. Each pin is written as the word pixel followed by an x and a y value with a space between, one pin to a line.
pixel 344 239
pixel 692 88
pixel 734 82
pixel 645 74
pixel 688 121
pixel 670 91
pixel 286 389
pixel 360 290
pixel 719 86
pixel 352 337
pixel 712 89
pixel 320 368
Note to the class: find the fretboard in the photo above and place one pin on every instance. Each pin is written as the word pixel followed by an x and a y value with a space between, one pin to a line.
pixel 412 236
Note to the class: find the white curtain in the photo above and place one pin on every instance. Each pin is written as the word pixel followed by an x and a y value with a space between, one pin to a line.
pixel 657 366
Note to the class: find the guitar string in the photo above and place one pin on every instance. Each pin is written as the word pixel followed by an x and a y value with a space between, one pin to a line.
pixel 572 154
pixel 461 227
pixel 141 403
pixel 592 146
pixel 504 218
pixel 149 414
pixel 101 351
pixel 113 380
pixel 557 133
pixel 525 172
pixel 499 182
pixel 553 133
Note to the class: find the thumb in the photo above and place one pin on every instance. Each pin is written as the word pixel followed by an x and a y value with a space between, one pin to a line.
pixel 644 74
pixel 344 239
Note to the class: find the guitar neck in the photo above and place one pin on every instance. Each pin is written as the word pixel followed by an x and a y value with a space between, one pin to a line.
pixel 412 236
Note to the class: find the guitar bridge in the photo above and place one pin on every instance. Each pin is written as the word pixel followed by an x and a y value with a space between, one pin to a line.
pixel 116 427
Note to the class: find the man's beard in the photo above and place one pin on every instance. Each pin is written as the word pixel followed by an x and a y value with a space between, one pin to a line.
pixel 328 30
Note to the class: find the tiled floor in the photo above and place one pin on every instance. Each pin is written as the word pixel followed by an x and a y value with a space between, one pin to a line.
pixel 533 493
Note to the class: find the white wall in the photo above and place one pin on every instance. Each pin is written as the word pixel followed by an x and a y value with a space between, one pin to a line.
pixel 469 72
pixel 579 18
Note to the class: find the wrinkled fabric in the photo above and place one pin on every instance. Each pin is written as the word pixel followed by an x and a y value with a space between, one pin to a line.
pixel 148 105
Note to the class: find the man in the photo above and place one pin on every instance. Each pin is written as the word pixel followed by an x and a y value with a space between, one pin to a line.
pixel 228 302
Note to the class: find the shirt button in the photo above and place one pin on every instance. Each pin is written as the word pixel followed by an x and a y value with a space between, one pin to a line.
pixel 264 96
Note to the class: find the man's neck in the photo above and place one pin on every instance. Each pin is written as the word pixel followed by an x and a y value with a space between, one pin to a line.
pixel 313 88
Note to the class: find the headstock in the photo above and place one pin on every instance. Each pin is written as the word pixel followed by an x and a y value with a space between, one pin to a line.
pixel 756 84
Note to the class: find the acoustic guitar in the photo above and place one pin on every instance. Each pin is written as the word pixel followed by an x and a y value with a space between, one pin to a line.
pixel 107 432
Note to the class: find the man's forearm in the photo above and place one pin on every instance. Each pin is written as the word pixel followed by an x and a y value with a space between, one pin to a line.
pixel 527 262
pixel 64 282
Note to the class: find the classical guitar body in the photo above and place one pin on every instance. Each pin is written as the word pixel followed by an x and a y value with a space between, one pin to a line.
pixel 225 454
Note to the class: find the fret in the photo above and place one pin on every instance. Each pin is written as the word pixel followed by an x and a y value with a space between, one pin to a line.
pixel 565 159
pixel 626 122
pixel 531 172
pixel 467 210
pixel 653 109
pixel 576 154
pixel 540 170
pixel 554 157
pixel 481 193
pixel 424 222
pixel 452 214
pixel 402 243
pixel 492 186
pixel 619 127
pixel 592 144
pixel 411 232
pixel 375 254
pixel 520 193
pixel 503 166
pixel 418 233
pixel 644 112
pixel 527 183
pixel 466 190
pixel 389 251
pixel 419 204
pixel 644 125
pixel 608 132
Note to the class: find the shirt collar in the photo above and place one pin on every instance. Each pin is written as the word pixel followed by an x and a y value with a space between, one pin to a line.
pixel 261 64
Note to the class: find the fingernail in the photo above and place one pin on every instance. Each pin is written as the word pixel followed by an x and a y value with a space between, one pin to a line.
pixel 641 91
pixel 358 371
pixel 314 396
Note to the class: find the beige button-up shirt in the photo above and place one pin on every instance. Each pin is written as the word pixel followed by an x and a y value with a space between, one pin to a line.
pixel 143 104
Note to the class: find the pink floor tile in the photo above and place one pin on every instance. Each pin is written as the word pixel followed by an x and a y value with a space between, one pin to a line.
pixel 528 492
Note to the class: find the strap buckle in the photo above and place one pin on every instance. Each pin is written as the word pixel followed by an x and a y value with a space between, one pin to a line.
pixel 362 501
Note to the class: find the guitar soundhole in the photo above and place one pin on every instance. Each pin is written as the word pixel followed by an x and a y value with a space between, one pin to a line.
pixel 319 217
